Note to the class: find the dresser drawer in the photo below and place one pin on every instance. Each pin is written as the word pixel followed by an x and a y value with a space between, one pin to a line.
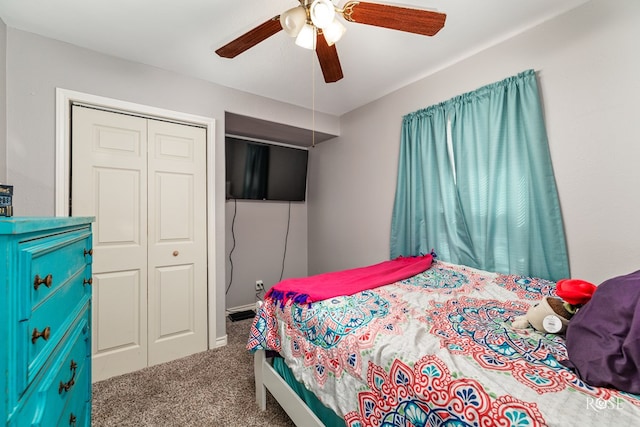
pixel 50 262
pixel 50 321
pixel 62 387
pixel 77 413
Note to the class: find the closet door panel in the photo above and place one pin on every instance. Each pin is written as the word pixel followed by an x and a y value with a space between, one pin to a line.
pixel 177 241
pixel 109 181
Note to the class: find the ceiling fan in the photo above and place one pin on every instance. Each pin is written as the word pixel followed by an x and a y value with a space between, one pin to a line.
pixel 314 24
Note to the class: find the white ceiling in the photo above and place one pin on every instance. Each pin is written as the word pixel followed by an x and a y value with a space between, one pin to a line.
pixel 181 36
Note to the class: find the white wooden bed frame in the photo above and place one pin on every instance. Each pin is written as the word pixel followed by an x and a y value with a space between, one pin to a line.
pixel 268 379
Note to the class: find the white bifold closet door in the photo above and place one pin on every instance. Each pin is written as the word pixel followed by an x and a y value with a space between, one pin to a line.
pixel 145 182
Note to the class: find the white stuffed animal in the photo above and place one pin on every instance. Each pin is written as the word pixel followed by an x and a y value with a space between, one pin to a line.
pixel 549 316
pixel 552 314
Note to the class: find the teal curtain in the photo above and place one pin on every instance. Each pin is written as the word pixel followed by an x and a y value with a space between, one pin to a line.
pixel 476 184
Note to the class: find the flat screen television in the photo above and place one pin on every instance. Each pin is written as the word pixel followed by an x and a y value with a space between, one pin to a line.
pixel 261 171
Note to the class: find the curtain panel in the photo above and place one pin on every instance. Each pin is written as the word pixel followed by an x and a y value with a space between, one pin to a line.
pixel 476 183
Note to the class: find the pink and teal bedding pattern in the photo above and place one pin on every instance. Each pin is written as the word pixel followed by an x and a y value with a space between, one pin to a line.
pixel 436 348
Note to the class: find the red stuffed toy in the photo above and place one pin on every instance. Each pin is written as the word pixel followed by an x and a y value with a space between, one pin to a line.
pixel 575 292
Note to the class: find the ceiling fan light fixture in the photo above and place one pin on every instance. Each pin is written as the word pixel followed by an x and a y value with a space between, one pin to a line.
pixel 307 37
pixel 293 20
pixel 334 32
pixel 326 27
pixel 322 13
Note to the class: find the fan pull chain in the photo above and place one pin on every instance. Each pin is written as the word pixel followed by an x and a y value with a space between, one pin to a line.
pixel 313 101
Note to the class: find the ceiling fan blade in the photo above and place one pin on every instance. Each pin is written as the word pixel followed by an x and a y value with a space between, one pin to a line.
pixel 250 38
pixel 418 21
pixel 328 58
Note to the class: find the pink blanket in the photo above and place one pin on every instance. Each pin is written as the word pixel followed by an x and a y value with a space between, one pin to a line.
pixel 347 282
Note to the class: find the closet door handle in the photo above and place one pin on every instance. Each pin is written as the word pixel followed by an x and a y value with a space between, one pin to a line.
pixel 88 252
pixel 87 282
pixel 72 420
pixel 47 281
pixel 66 386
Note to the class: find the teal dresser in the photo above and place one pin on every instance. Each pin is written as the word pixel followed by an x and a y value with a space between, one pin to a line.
pixel 45 321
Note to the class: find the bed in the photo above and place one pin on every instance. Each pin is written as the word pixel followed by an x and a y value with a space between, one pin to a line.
pixel 436 348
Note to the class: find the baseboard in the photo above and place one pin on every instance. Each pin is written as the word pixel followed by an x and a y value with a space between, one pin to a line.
pixel 221 341
pixel 241 308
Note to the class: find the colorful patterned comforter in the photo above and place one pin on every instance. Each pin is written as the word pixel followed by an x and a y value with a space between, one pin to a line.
pixel 437 349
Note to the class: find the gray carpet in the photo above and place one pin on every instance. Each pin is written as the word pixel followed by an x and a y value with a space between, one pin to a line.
pixel 212 388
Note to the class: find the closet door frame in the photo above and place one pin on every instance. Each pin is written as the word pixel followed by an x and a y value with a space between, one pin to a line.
pixel 64 99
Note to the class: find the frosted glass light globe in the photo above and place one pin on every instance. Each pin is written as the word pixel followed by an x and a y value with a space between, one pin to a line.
pixel 322 13
pixel 293 20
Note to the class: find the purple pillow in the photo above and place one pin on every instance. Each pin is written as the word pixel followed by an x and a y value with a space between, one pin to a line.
pixel 603 338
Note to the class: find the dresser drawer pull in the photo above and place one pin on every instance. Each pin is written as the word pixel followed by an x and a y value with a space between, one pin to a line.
pixel 66 386
pixel 45 334
pixel 47 281
pixel 87 282
pixel 88 252
pixel 72 420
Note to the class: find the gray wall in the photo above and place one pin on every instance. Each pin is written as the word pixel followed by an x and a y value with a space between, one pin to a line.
pixel 36 66
pixel 3 101
pixel 260 246
pixel 588 66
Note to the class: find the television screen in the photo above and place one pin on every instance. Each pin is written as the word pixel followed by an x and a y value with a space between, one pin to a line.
pixel 260 171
